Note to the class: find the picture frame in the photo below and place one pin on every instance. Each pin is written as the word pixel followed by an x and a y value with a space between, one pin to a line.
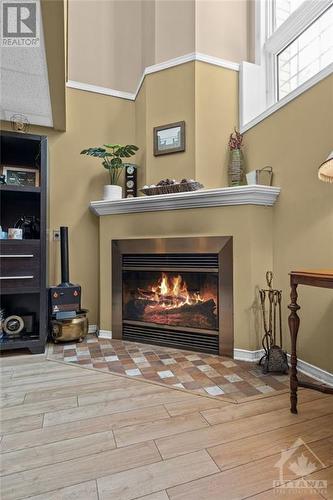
pixel 20 176
pixel 169 138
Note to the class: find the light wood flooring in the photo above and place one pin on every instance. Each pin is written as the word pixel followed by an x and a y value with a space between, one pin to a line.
pixel 74 433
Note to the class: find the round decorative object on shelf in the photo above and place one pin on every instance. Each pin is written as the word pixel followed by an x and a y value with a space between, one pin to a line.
pixel 13 325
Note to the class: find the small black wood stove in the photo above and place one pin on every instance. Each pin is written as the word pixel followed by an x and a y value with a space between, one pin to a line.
pixel 68 320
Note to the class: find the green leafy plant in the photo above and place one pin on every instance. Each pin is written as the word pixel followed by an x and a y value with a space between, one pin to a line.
pixel 112 155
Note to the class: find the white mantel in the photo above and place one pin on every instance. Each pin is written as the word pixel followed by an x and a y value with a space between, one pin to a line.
pixel 240 195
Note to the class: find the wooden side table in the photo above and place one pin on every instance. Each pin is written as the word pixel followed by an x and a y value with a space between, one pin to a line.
pixel 321 278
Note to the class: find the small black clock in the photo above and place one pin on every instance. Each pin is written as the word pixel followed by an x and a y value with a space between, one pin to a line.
pixel 130 180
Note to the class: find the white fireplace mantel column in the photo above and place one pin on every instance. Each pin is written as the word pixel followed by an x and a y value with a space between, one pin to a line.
pixel 240 195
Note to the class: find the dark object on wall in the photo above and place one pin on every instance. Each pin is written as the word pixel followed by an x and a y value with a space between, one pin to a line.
pixel 3 179
pixel 169 138
pixel 130 180
pixel 23 262
pixel 275 359
pixel 30 226
pixel 68 321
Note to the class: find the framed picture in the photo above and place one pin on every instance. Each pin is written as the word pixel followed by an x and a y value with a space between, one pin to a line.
pixel 20 176
pixel 169 138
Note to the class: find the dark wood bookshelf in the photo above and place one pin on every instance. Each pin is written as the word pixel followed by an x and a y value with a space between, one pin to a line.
pixel 23 262
pixel 19 189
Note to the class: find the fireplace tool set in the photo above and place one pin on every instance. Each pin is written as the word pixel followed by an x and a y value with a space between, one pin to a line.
pixel 274 359
pixel 68 321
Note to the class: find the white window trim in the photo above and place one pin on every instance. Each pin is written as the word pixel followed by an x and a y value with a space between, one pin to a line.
pixel 285 100
pixel 258 82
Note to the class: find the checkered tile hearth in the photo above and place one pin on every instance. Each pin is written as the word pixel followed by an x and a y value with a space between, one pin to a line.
pixel 201 373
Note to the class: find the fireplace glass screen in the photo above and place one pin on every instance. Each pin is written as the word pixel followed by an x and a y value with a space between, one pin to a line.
pixel 182 299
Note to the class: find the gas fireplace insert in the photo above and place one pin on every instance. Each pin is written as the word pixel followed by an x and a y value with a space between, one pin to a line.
pixel 174 292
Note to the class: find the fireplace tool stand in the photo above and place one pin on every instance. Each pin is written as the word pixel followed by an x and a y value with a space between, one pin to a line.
pixel 274 359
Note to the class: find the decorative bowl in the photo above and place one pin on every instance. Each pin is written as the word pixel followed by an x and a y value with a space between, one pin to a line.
pixel 180 187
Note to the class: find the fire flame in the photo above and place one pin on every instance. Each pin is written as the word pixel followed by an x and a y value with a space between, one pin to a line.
pixel 172 291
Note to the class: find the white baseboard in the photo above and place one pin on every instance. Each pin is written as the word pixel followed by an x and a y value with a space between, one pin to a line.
pixel 314 372
pixel 105 334
pixel 302 366
pixel 245 355
pixel 92 329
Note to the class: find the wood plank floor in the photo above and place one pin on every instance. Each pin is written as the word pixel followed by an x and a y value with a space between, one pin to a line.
pixel 72 433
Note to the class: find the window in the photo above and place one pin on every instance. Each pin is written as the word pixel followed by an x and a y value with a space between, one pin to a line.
pixel 308 54
pixel 298 43
pixel 293 51
pixel 282 10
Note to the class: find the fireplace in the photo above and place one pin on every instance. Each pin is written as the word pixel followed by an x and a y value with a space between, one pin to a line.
pixel 175 292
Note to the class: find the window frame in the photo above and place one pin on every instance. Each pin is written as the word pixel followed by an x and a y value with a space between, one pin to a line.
pixel 269 43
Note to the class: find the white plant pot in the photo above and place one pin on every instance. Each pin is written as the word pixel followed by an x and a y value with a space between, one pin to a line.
pixel 112 192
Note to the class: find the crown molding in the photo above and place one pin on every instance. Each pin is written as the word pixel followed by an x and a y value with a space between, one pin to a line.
pixel 100 90
pixel 216 61
pixel 171 63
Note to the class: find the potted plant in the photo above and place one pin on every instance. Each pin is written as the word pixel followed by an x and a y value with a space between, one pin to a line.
pixel 236 171
pixel 112 155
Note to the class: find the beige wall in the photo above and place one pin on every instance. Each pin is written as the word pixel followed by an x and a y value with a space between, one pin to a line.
pixel 105 43
pixel 111 42
pixel 222 28
pixel 169 97
pixel 174 28
pixel 75 180
pixel 294 141
pixel 216 115
pixel 251 228
pixel 148 32
pixel 206 98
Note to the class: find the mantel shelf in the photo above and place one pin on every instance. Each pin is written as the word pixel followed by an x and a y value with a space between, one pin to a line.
pixel 242 195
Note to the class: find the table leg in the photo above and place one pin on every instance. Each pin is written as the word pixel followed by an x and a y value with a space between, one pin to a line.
pixel 293 322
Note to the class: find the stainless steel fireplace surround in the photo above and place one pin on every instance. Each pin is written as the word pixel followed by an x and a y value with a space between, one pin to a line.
pixel 174 292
